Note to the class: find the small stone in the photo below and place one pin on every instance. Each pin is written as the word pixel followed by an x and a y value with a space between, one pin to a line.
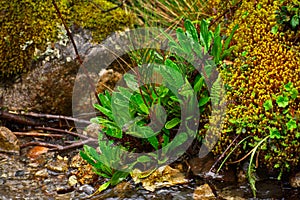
pixel 8 141
pixel 60 165
pixel 42 173
pixel 92 130
pixel 295 180
pixel 36 152
pixel 87 189
pixel 20 173
pixel 203 192
pixel 72 180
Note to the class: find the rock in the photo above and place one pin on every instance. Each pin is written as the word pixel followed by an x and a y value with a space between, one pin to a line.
pixel 72 180
pixel 8 141
pixel 295 180
pixel 42 173
pixel 87 189
pixel 164 176
pixel 92 130
pixel 203 192
pixel 36 152
pixel 201 167
pixel 60 165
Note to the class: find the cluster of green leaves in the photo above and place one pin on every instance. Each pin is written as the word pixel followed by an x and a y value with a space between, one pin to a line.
pixel 150 110
pixel 289 14
pixel 283 100
pixel 102 162
pixel 275 136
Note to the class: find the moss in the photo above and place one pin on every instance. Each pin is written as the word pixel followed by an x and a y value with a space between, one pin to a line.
pixel 264 63
pixel 28 25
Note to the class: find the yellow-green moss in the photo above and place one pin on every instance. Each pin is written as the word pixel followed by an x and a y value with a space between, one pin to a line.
pixel 264 63
pixel 27 25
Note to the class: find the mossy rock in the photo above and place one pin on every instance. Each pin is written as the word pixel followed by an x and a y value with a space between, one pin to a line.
pixel 29 25
pixel 266 67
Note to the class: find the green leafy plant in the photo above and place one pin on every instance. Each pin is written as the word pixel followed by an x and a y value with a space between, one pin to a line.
pixel 273 137
pixel 144 112
pixel 289 15
pixel 102 162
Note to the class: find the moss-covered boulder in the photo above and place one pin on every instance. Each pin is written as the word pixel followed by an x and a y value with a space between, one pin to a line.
pixel 263 88
pixel 28 26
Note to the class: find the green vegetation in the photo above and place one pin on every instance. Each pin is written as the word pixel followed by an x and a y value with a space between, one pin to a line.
pixel 146 112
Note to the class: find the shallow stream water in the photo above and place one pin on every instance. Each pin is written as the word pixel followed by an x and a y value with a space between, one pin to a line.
pixel 19 180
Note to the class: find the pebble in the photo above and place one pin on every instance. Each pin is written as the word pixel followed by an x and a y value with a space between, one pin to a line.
pixel 9 143
pixel 87 189
pixel 72 180
pixel 42 173
pixel 295 180
pixel 203 192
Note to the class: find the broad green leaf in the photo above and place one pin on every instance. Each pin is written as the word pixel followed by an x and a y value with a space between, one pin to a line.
pixel 177 141
pixel 172 123
pixel 154 142
pixel 217 49
pixel 288 86
pixel 203 101
pixel 103 187
pixel 191 30
pixel 143 159
pixel 295 21
pixel 294 93
pixel 205 35
pixel 118 177
pixel 104 111
pixel 291 125
pixel 274 133
pixel 131 81
pixel 87 158
pixel 184 42
pixel 105 101
pixel 171 64
pixel 282 101
pixel 199 83
pixel 227 52
pixel 227 41
pixel 274 29
pixel 268 105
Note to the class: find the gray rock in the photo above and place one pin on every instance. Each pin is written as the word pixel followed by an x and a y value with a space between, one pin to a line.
pixel 87 189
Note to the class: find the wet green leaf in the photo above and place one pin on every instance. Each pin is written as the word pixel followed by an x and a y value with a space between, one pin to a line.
pixel 291 125
pixel 282 101
pixel 268 104
pixel 172 123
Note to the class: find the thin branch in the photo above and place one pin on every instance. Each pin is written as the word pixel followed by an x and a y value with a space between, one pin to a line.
pixel 49 116
pixel 92 85
pixel 223 154
pixel 36 134
pixel 63 131
pixel 19 119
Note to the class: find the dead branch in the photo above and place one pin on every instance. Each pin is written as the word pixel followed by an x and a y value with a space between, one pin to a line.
pixel 63 131
pixel 59 147
pixel 36 134
pixel 49 116
pixel 20 119
pixel 91 83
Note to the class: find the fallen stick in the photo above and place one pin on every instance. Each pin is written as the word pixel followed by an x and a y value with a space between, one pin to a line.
pixel 36 134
